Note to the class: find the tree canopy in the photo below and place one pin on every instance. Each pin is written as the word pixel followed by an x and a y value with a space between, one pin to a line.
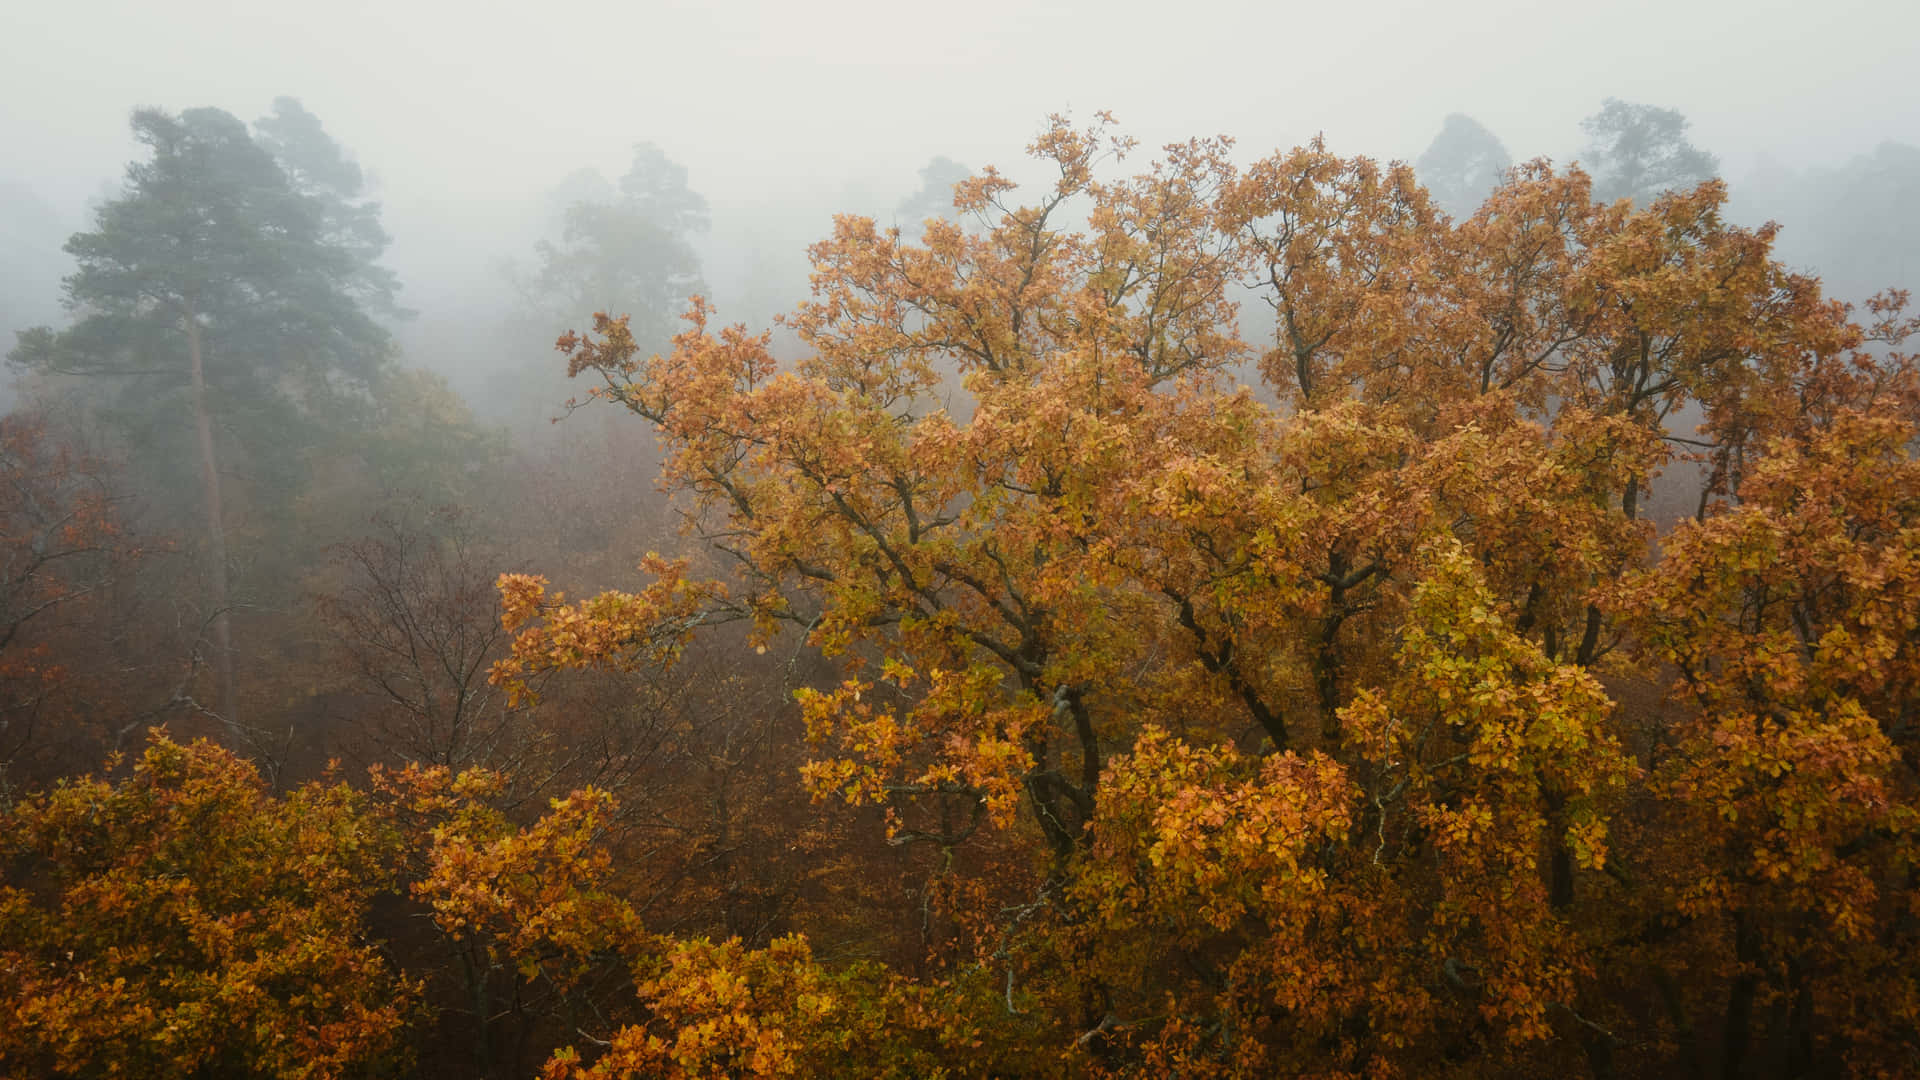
pixel 1309 715
pixel 934 199
pixel 626 247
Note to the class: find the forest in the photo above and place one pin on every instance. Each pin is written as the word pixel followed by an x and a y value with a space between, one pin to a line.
pixel 1198 611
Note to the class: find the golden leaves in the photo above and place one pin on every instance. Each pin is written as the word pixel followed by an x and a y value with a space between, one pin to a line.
pixel 1224 839
pixel 192 921
pixel 1019 476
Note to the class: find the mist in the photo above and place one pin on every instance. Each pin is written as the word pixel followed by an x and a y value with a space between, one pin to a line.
pixel 784 114
pixel 1173 539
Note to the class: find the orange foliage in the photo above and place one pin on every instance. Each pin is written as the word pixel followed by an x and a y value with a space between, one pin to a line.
pixel 183 921
pixel 1306 715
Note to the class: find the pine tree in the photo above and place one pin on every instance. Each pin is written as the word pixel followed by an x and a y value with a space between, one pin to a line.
pixel 231 296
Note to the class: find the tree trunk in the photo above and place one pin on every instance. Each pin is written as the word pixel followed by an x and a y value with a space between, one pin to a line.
pixel 1739 1026
pixel 216 536
pixel 1560 862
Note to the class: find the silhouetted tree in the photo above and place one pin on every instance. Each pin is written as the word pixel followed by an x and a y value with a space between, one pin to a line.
pixel 1638 151
pixel 1462 165
pixel 935 197
pixel 629 253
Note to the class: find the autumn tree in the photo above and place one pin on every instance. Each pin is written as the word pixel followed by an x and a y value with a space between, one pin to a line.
pixel 527 931
pixel 182 922
pixel 1309 713
pixel 64 542
pixel 1230 596
pixel 725 1010
pixel 1787 621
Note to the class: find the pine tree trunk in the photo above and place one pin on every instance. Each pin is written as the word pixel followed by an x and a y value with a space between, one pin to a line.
pixel 216 536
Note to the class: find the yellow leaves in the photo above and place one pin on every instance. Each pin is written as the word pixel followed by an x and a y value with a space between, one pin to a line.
pixel 537 896
pixel 1586 838
pixel 1224 838
pixel 1464 829
pixel 613 629
pixel 956 738
pixel 725 1010
pixel 1524 718
pixel 533 891
pixel 1778 610
pixel 194 922
pixel 720 1010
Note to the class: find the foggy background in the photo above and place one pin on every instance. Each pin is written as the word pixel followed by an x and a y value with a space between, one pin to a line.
pixel 466 117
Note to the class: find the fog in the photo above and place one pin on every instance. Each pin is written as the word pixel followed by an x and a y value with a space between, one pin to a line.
pixel 470 105
pixel 465 118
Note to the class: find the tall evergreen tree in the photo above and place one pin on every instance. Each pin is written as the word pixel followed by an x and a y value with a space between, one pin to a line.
pixel 230 295
pixel 319 168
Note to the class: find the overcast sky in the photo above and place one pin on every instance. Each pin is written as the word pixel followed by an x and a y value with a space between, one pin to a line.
pixel 465 110
pixel 470 99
